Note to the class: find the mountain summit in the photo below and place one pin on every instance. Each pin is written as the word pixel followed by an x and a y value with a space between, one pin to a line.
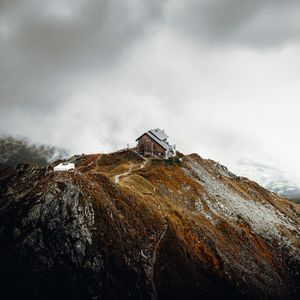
pixel 121 226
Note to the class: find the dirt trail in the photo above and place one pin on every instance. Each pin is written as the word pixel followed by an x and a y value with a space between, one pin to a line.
pixel 93 162
pixel 153 261
pixel 144 163
pixel 117 177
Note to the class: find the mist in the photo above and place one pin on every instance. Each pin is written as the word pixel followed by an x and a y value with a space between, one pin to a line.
pixel 221 77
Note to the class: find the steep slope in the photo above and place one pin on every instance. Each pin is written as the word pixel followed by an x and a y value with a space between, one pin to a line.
pixel 120 226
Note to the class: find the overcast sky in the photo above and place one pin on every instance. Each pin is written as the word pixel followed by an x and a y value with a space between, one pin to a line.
pixel 222 77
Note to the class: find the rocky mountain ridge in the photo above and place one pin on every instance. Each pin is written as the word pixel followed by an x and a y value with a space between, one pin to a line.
pixel 120 226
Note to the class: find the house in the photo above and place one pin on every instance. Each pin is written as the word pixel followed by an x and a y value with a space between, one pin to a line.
pixel 155 143
pixel 65 166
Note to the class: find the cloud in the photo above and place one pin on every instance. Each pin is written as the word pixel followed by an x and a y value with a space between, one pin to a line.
pixel 45 47
pixel 248 23
pixel 92 75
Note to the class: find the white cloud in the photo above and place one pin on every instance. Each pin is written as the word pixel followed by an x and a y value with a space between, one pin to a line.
pixel 109 80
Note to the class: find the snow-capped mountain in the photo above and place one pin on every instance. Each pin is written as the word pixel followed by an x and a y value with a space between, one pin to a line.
pixel 271 178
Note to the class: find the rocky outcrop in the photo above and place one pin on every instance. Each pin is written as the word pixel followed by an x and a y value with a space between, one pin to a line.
pixel 179 228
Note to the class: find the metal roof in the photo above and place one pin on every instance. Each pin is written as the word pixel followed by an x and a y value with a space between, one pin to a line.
pixel 159 134
pixel 159 137
pixel 157 140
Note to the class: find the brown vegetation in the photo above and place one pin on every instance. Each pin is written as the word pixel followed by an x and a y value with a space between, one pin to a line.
pixel 160 233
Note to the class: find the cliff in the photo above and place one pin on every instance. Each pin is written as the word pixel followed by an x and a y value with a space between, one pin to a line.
pixel 121 226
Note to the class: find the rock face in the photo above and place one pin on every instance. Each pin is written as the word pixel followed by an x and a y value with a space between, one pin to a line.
pixel 180 228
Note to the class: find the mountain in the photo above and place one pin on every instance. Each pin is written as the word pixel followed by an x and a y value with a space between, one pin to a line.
pixel 271 178
pixel 18 150
pixel 120 226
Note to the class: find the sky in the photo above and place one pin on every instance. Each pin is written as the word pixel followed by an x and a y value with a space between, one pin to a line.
pixel 222 77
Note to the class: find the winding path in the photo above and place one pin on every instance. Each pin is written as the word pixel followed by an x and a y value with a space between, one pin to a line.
pixel 161 236
pixel 144 163
pixel 117 177
pixel 153 261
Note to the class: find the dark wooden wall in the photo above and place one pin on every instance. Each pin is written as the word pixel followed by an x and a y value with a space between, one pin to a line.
pixel 147 146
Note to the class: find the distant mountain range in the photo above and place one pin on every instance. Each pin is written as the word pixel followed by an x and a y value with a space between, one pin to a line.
pixel 15 151
pixel 271 178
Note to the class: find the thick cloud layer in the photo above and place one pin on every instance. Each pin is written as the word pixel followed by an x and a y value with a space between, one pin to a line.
pixel 251 23
pixel 221 77
pixel 46 46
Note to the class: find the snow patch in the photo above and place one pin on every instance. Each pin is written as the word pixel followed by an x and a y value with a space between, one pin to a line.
pixel 64 167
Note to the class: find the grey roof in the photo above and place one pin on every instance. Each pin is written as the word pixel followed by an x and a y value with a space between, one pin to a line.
pixel 157 140
pixel 159 137
pixel 159 134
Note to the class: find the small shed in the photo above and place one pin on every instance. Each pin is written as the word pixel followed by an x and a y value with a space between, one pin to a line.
pixel 155 143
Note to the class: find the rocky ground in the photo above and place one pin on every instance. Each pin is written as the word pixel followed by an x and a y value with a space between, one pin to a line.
pixel 120 226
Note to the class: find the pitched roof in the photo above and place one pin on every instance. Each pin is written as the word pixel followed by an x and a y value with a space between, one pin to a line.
pixel 159 137
pixel 157 140
pixel 159 133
